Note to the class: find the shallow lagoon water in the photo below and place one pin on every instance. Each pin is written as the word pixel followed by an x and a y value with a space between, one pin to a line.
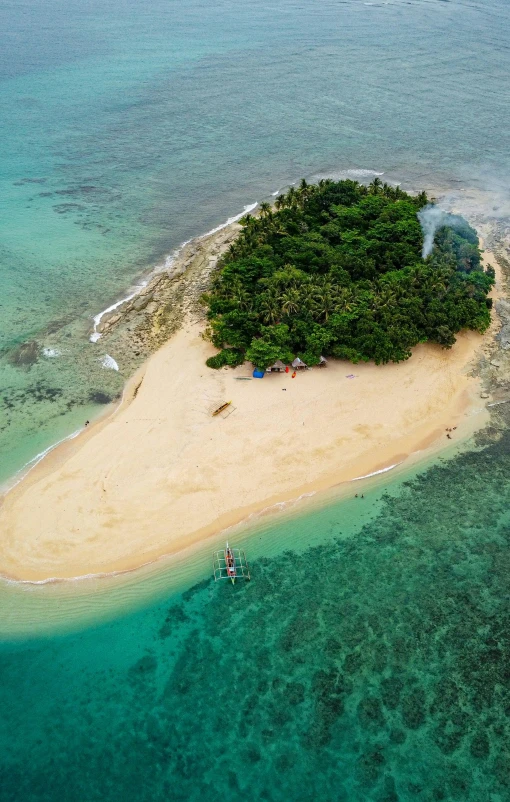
pixel 371 667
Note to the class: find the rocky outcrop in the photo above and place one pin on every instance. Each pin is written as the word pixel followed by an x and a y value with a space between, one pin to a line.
pixel 503 337
pixel 139 326
pixel 494 366
pixel 25 354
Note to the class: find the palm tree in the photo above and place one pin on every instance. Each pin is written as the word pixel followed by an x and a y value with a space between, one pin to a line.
pixel 307 295
pixel 323 305
pixel 375 186
pixel 323 183
pixel 384 299
pixel 247 221
pixel 304 191
pixel 240 296
pixel 286 277
pixel 345 302
pixel 270 308
pixel 436 283
pixel 290 301
pixel 325 299
pixel 265 209
pixel 292 198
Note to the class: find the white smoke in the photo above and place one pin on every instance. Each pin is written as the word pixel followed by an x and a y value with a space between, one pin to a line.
pixel 431 218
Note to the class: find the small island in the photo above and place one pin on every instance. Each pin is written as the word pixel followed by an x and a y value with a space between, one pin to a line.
pixel 338 269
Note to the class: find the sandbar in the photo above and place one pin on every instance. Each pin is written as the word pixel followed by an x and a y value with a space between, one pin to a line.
pixel 161 473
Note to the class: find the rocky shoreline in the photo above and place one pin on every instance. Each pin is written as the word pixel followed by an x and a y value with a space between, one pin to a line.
pixel 494 365
pixel 139 326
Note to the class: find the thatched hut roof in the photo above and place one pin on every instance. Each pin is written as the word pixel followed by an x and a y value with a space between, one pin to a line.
pixel 298 363
pixel 278 365
pixel 323 361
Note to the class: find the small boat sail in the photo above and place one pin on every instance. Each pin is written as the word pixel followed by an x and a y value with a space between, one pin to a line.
pixel 229 563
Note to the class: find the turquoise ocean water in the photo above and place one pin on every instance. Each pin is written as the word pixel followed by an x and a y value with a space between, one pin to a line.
pixel 368 659
pixel 129 127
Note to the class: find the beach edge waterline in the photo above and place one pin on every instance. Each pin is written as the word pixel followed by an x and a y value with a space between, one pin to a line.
pixel 372 467
pixel 238 515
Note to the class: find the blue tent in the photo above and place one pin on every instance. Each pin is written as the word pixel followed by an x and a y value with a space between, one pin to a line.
pixel 258 374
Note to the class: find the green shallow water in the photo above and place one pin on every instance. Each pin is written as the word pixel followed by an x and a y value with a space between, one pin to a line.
pixel 372 667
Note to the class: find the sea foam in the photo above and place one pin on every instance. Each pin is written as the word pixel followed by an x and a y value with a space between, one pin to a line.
pixel 108 362
pixel 94 337
pixel 363 173
pixel 28 466
pixel 375 473
pixel 247 209
pixel 51 353
pixel 166 265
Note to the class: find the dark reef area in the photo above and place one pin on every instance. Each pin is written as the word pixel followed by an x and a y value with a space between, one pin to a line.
pixel 376 669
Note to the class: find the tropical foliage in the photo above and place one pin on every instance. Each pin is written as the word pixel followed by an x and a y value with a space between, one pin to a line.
pixel 335 269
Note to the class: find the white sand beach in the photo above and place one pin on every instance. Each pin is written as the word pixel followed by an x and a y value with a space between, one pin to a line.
pixel 162 473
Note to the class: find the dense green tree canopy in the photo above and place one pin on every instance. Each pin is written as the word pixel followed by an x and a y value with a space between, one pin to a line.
pixel 336 269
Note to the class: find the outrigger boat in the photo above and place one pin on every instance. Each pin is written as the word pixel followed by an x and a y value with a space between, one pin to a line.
pixel 222 408
pixel 230 564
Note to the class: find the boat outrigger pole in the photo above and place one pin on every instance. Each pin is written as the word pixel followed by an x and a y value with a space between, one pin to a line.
pixel 229 563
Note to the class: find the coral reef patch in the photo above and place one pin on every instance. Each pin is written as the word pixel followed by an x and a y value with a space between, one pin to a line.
pixel 376 669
